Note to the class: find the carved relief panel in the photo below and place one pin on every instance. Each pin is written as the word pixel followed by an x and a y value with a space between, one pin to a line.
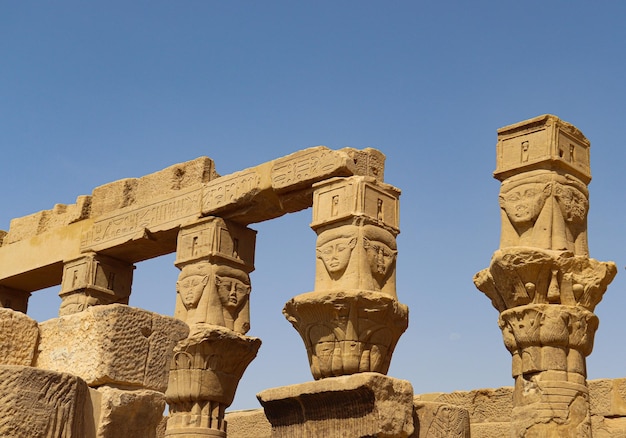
pixel 353 257
pixel 213 294
pixel 545 210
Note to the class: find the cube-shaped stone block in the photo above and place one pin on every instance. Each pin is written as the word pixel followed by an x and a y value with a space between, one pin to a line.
pixel 130 413
pixel 37 403
pixel 20 335
pixel 344 199
pixel 544 142
pixel 360 405
pixel 98 273
pixel 114 344
pixel 214 239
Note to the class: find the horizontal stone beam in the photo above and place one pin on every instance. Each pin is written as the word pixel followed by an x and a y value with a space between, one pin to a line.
pixel 138 218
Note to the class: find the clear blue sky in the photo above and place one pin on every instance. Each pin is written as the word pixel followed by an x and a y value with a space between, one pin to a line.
pixel 92 92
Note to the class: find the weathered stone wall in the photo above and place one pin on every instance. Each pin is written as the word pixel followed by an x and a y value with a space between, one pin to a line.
pixel 489 411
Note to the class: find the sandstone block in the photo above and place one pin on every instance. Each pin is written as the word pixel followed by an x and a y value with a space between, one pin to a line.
pixel 114 344
pixel 119 412
pixel 608 427
pixel 543 142
pixel 38 403
pixel 607 397
pixel 441 420
pixel 483 405
pixel 360 405
pixel 20 335
pixel 248 424
pixel 490 430
pixel 140 191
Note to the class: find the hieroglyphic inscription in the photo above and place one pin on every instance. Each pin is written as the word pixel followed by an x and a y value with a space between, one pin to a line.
pixel 304 166
pixel 156 216
pixel 230 190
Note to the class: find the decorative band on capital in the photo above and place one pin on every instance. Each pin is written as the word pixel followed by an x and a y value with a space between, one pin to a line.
pixel 543 337
pixel 209 364
pixel 347 332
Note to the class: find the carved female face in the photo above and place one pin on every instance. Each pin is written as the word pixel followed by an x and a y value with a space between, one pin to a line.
pixel 523 203
pixel 190 289
pixel 379 256
pixel 336 254
pixel 573 203
pixel 233 293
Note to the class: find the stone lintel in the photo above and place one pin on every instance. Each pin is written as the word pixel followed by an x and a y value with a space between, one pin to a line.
pixel 284 185
pixel 37 263
pixel 124 219
pixel 360 405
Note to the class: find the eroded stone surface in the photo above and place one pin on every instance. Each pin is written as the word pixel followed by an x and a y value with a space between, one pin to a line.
pixel 360 405
pixel 440 420
pixel 37 403
pixel 204 373
pixel 130 413
pixel 114 344
pixel 248 424
pixel 347 332
pixel 20 336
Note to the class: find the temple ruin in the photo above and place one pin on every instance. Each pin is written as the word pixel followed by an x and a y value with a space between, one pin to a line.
pixel 105 369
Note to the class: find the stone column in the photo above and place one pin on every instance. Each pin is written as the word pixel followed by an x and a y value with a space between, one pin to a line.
pixel 94 279
pixel 353 320
pixel 542 280
pixel 215 257
pixel 350 323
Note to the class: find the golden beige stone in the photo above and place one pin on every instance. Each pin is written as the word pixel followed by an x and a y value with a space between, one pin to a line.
pixel 204 373
pixel 543 142
pixel 248 424
pixel 37 403
pixel 92 280
pixel 137 219
pixel 122 412
pixel 360 405
pixel 542 280
pixel 440 420
pixel 347 332
pixel 20 336
pixel 114 344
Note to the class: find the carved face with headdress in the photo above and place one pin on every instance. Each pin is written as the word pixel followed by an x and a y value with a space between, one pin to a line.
pixel 334 249
pixel 233 287
pixel 380 250
pixel 524 202
pixel 191 283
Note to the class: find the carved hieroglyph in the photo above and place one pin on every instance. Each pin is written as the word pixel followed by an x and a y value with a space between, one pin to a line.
pixel 353 320
pixel 542 280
